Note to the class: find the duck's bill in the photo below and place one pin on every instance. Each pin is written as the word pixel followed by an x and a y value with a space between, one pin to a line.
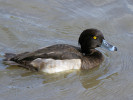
pixel 108 46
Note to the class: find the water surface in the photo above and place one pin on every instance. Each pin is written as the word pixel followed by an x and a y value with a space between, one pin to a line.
pixel 26 25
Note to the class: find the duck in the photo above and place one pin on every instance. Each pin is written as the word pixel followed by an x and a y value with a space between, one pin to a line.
pixel 64 57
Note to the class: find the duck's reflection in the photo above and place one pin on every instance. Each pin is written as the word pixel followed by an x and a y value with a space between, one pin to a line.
pixel 88 78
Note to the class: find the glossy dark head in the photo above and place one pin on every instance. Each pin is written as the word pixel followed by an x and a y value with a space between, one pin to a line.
pixel 93 38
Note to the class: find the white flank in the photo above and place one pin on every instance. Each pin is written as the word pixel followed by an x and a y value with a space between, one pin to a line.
pixel 53 66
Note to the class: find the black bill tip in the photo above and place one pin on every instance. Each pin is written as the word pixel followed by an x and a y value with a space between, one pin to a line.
pixel 115 48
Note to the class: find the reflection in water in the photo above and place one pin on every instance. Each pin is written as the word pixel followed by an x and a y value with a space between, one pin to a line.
pixel 90 81
pixel 88 78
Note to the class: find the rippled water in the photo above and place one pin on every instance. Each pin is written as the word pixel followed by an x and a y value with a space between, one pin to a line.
pixel 26 25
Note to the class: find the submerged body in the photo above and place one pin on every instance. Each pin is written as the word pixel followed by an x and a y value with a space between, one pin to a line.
pixel 63 57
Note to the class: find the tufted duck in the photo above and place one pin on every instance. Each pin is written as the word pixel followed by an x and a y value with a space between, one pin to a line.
pixel 63 57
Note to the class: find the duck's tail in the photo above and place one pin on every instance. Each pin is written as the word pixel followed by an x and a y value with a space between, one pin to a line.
pixel 8 56
pixel 8 61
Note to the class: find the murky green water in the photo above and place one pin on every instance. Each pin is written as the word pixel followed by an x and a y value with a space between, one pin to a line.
pixel 26 25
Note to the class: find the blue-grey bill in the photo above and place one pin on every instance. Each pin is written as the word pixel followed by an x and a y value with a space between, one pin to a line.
pixel 108 46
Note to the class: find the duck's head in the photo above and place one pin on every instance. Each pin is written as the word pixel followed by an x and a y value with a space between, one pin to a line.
pixel 93 38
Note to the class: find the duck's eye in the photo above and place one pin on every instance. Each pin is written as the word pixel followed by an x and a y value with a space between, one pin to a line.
pixel 94 37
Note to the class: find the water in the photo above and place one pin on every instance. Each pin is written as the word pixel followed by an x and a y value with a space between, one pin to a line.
pixel 26 25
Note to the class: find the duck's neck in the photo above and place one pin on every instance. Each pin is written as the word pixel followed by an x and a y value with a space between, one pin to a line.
pixel 86 50
pixel 89 52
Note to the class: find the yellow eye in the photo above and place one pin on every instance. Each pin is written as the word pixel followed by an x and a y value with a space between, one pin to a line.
pixel 94 37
